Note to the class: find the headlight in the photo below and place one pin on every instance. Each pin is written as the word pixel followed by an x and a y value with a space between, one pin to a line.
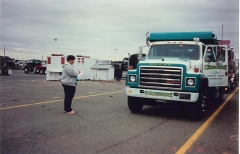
pixel 190 82
pixel 132 78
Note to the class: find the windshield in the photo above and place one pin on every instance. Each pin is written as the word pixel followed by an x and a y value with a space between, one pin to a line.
pixel 180 51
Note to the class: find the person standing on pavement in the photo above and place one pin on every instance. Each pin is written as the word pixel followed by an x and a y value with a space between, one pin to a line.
pixel 69 82
pixel 118 74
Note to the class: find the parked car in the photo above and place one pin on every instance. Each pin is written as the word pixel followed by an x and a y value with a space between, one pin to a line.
pixel 17 66
pixel 21 64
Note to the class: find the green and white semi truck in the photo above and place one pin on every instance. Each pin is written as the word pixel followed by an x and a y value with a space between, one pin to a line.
pixel 180 67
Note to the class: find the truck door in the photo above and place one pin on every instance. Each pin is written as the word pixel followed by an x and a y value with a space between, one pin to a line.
pixel 215 65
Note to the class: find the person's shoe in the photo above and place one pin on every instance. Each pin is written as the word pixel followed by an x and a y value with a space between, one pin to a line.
pixel 65 111
pixel 71 112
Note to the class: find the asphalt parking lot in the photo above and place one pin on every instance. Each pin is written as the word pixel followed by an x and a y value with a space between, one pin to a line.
pixel 33 121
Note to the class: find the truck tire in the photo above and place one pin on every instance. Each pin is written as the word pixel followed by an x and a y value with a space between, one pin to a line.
pixel 25 70
pixel 41 71
pixel 233 86
pixel 199 107
pixel 221 94
pixel 37 70
pixel 134 104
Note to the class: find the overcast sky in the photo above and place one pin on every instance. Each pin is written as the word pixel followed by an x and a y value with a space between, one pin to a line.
pixel 106 29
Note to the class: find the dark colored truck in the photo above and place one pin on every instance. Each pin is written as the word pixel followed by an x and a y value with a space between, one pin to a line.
pixel 233 75
pixel 35 66
pixel 6 65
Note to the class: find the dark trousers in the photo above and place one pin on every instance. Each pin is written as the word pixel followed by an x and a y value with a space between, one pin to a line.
pixel 118 77
pixel 69 94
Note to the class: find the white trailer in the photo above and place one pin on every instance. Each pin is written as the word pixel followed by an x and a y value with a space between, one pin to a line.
pixel 54 66
pixel 103 69
pixel 84 63
pixel 103 72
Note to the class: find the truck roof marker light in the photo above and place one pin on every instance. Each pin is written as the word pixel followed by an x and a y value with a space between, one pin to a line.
pixel 196 39
pixel 174 42
pixel 180 42
pixel 168 42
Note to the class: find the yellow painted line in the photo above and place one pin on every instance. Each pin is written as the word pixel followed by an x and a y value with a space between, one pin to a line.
pixel 20 80
pixel 25 105
pixel 195 136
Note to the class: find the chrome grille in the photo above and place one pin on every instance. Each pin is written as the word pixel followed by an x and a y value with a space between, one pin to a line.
pixel 161 77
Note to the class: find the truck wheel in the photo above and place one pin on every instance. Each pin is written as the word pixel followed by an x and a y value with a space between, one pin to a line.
pixel 37 70
pixel 41 71
pixel 25 70
pixel 134 104
pixel 233 86
pixel 221 94
pixel 199 107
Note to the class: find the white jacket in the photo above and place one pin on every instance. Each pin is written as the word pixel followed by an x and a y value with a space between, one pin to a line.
pixel 69 76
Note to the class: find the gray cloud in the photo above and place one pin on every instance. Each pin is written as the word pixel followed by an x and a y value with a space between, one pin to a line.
pixel 97 28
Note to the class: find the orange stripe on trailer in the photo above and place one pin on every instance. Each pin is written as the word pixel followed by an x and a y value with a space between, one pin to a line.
pixel 48 60
pixel 62 60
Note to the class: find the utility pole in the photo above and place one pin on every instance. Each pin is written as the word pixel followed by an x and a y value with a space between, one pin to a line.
pixel 222 33
pixel 4 52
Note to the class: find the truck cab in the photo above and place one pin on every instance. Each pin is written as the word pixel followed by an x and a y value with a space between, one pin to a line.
pixel 31 65
pixel 180 67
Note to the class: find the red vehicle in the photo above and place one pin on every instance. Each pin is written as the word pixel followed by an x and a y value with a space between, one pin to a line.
pixel 35 66
pixel 233 76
